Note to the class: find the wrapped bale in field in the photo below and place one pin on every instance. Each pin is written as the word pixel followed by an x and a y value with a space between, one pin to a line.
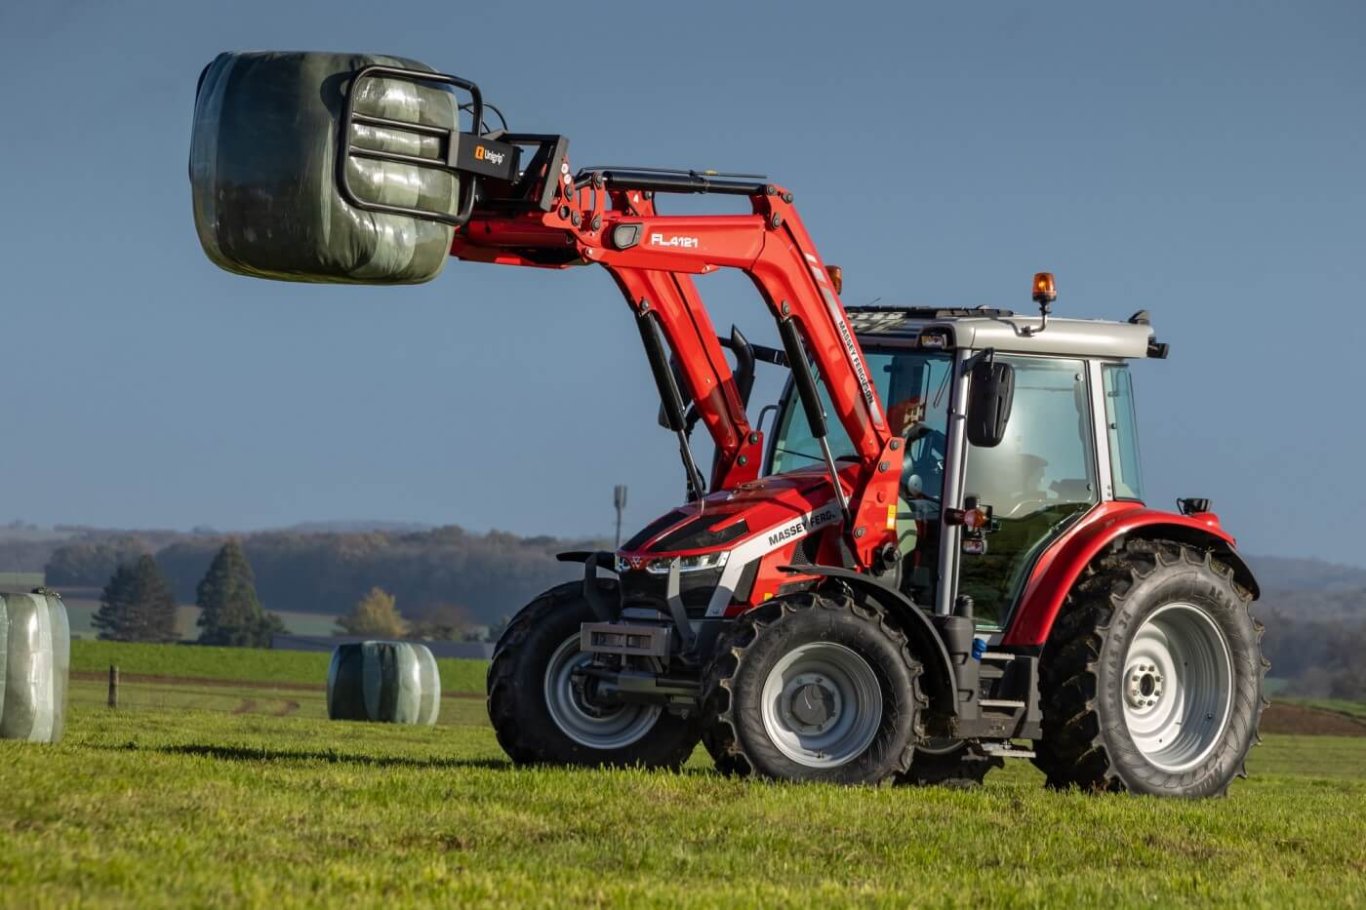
pixel 263 170
pixel 35 660
pixel 392 682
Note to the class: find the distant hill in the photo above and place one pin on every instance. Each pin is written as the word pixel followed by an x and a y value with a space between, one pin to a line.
pixel 1280 573
pixel 356 527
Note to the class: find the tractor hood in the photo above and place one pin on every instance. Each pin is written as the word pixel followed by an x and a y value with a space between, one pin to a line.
pixel 726 519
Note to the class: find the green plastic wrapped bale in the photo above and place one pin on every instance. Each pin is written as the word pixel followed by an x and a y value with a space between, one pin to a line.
pixel 35 661
pixel 263 165
pixel 392 682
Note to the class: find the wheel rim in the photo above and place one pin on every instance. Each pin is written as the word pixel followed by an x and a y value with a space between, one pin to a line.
pixel 822 705
pixel 589 725
pixel 1177 688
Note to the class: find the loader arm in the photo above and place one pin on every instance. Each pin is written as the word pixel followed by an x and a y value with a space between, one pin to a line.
pixel 608 218
pixel 532 210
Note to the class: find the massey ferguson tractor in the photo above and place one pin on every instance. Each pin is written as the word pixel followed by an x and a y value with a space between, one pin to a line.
pixel 936 557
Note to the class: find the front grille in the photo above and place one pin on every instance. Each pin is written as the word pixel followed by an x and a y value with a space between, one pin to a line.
pixel 643 589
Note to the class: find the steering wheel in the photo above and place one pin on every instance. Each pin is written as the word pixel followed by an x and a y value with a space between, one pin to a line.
pixel 925 452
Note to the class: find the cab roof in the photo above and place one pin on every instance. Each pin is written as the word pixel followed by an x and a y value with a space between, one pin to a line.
pixel 1004 330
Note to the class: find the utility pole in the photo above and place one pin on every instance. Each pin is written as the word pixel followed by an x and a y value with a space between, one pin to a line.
pixel 619 501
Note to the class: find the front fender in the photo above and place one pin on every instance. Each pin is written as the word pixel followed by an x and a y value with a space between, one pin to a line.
pixel 1064 562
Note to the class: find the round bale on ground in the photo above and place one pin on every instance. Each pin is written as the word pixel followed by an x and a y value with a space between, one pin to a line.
pixel 392 682
pixel 35 660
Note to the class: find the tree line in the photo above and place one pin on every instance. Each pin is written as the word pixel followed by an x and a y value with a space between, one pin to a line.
pixel 446 574
pixel 137 604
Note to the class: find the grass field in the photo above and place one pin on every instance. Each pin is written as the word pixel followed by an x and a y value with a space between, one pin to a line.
pixel 248 664
pixel 185 804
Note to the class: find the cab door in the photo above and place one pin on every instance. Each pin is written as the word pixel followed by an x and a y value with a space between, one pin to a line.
pixel 1038 481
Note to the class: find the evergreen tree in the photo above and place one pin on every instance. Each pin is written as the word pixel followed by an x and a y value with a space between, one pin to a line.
pixel 375 615
pixel 137 604
pixel 230 612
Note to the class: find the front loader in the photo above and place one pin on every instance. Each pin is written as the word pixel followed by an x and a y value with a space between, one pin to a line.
pixel 937 558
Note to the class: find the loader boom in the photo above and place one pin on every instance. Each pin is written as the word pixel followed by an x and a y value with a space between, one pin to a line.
pixel 608 218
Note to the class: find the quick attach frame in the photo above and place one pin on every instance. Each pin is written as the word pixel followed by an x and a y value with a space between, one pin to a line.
pixel 471 155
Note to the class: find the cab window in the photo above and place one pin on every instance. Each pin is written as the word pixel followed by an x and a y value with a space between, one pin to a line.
pixel 1121 432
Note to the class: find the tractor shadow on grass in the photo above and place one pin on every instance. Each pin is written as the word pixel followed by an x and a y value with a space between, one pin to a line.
pixel 255 754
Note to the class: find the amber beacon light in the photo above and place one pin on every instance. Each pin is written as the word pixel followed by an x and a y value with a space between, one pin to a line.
pixel 1044 291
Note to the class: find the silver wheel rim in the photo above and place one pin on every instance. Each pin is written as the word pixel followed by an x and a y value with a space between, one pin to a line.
pixel 822 705
pixel 596 728
pixel 1177 688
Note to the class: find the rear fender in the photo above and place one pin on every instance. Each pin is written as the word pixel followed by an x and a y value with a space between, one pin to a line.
pixel 1109 524
pixel 926 644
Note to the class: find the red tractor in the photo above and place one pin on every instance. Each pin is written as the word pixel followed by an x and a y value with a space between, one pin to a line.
pixel 938 558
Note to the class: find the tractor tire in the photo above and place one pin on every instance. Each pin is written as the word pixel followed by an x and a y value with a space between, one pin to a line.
pixel 949 763
pixel 813 687
pixel 1151 681
pixel 540 718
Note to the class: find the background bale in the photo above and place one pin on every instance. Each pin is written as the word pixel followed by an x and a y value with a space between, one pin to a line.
pixel 262 170
pixel 386 681
pixel 35 661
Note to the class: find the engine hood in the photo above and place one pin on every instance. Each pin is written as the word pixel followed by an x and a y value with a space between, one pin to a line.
pixel 728 518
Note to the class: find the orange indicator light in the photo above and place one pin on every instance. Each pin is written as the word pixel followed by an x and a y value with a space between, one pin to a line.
pixel 836 277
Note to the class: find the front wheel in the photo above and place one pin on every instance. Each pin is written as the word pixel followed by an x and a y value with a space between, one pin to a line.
pixel 541 715
pixel 810 687
pixel 1152 679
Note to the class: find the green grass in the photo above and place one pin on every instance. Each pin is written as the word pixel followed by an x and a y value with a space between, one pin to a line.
pixel 190 808
pixel 261 665
pixel 178 802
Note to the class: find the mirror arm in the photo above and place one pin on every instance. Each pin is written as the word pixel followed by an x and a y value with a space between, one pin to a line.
pixel 986 354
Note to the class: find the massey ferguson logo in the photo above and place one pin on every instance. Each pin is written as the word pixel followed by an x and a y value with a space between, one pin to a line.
pixel 636 561
pixel 483 154
pixel 681 242
pixel 802 526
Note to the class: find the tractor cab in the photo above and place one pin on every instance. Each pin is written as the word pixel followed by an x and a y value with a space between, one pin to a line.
pixel 1069 445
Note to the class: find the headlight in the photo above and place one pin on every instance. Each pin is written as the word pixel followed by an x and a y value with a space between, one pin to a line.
pixel 660 566
pixel 688 563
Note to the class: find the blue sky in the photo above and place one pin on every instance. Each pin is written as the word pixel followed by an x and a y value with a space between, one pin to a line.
pixel 1202 161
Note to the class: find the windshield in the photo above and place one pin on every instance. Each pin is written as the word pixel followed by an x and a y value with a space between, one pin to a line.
pixel 914 388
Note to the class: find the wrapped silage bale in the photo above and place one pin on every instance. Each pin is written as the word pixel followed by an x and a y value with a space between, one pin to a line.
pixel 263 170
pixel 392 682
pixel 35 661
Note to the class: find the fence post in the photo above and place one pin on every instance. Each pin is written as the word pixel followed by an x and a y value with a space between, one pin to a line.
pixel 113 686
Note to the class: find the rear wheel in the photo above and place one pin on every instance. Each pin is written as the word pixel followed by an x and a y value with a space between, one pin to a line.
pixel 1152 680
pixel 542 715
pixel 810 687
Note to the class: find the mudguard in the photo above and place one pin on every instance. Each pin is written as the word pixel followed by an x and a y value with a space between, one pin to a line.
pixel 1059 568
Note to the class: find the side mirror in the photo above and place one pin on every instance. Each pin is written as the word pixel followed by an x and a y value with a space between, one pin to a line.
pixel 989 399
